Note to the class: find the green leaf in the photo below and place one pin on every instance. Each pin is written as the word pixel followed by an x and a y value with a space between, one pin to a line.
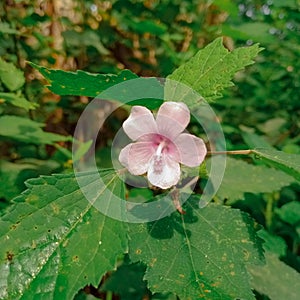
pixel 289 213
pixel 28 131
pixel 17 100
pixel 255 31
pixel 82 149
pixel 294 4
pixel 273 243
pixel 210 71
pixel 13 175
pixel 202 254
pixel 275 279
pixel 81 83
pixel 228 6
pixel 288 163
pixel 127 281
pixel 144 91
pixel 150 26
pixel 75 39
pixel 11 77
pixel 54 242
pixel 5 28
pixel 241 177
pixel 253 140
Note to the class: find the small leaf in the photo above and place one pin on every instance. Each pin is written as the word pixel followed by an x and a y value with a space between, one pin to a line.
pixel 241 177
pixel 255 31
pixel 273 243
pixel 5 28
pixel 87 38
pixel 289 212
pixel 202 254
pixel 82 149
pixel 54 242
pixel 253 140
pixel 28 131
pixel 17 100
pixel 12 77
pixel 81 83
pixel 289 163
pixel 148 26
pixel 275 279
pixel 228 6
pixel 288 3
pixel 13 175
pixel 210 71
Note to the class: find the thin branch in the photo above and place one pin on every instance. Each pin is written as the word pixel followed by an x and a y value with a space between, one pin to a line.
pixel 234 152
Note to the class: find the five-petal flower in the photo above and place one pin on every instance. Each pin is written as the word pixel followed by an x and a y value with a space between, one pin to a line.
pixel 160 145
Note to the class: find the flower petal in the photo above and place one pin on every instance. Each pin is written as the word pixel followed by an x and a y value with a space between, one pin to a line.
pixel 192 149
pixel 172 118
pixel 124 155
pixel 139 122
pixel 166 175
pixel 137 156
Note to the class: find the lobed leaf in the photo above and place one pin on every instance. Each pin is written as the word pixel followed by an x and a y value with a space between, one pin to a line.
pixel 81 83
pixel 144 91
pixel 200 255
pixel 210 71
pixel 54 242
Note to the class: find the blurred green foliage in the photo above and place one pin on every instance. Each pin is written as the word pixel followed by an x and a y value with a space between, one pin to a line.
pixel 151 38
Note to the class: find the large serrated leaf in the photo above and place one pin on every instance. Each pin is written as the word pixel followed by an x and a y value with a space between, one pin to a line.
pixel 54 242
pixel 211 70
pixel 289 163
pixel 81 83
pixel 200 255
pixel 241 177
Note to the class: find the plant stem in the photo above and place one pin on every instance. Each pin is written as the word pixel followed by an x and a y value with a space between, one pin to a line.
pixel 269 210
pixel 234 152
pixel 109 295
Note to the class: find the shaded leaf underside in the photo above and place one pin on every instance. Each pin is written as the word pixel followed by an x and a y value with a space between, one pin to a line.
pixel 289 163
pixel 241 177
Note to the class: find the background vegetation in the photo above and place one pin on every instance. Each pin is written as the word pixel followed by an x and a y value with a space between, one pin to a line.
pixel 151 38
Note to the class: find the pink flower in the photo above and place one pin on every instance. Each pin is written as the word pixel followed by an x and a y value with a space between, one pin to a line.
pixel 160 144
